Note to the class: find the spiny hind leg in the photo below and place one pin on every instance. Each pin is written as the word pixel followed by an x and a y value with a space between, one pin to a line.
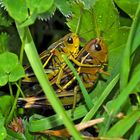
pixel 58 80
pixel 68 83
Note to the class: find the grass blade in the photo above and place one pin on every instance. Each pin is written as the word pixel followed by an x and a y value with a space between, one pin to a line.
pixel 121 127
pixel 83 89
pixel 101 99
pixel 131 46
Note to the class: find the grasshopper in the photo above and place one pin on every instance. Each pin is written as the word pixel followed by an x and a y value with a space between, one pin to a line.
pixel 94 53
pixel 52 58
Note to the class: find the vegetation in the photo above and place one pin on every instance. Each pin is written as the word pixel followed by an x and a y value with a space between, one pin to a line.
pixel 25 24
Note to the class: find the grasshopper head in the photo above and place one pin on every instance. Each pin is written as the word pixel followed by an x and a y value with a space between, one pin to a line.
pixel 71 44
pixel 97 50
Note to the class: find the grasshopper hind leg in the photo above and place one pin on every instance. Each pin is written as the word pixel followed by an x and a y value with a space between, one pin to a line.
pixel 76 89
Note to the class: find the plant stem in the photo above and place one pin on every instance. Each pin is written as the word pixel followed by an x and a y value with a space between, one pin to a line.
pixel 13 107
pixel 18 86
pixel 11 91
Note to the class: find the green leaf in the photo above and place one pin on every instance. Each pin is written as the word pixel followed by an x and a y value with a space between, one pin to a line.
pixel 36 7
pixel 131 45
pixel 27 132
pixel 5 104
pixel 10 69
pixel 116 46
pixel 116 105
pixel 86 22
pixel 40 123
pixel 39 6
pixel 63 6
pixel 101 99
pixel 122 126
pixel 13 9
pixel 3 77
pixel 87 3
pixel 8 61
pixel 47 15
pixel 16 73
pixel 15 135
pixel 3 132
pixel 136 134
pixel 95 21
pixel 29 21
pixel 128 6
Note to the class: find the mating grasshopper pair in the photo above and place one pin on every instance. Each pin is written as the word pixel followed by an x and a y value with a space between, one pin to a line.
pixel 88 61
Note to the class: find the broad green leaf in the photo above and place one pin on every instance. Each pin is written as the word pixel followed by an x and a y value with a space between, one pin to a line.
pixel 95 22
pixel 47 15
pixel 36 7
pixel 8 61
pixel 128 6
pixel 3 77
pixel 87 3
pixel 125 21
pixel 63 6
pixel 39 6
pixel 116 46
pixel 29 21
pixel 5 104
pixel 17 9
pixel 16 73
pixel 122 126
pixel 86 22
pixel 3 132
pixel 10 69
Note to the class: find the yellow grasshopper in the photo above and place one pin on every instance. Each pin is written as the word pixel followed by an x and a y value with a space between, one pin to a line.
pixel 94 53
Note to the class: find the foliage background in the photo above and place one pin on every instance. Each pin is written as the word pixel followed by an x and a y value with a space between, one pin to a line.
pixel 116 22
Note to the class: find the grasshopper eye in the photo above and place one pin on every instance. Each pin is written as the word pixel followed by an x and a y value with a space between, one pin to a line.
pixel 97 47
pixel 70 40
